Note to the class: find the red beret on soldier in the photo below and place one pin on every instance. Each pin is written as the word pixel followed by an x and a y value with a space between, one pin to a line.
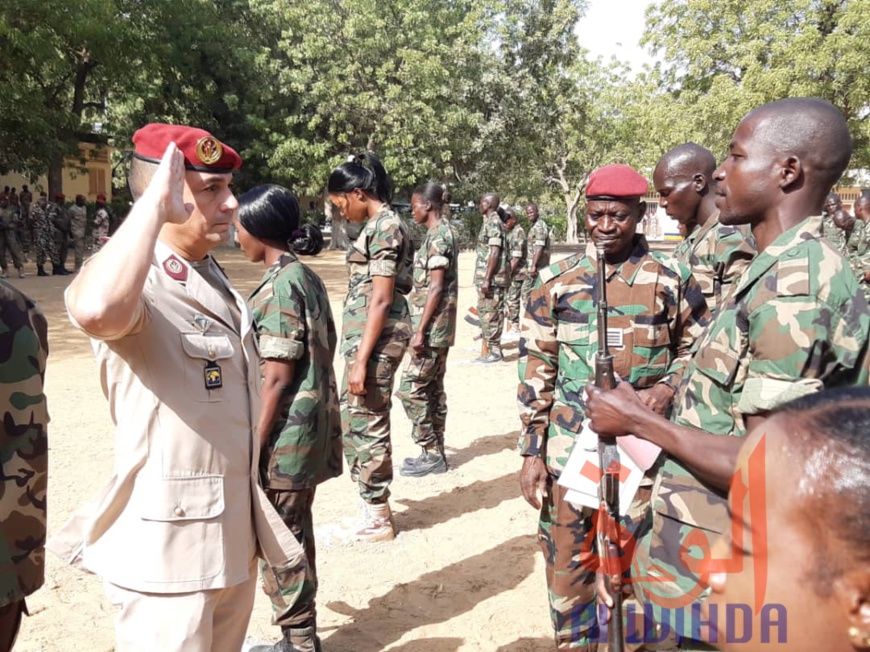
pixel 616 181
pixel 101 198
pixel 60 197
pixel 202 151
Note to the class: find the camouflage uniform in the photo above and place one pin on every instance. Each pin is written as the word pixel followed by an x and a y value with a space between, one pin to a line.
pixel 383 248
pixel 25 225
pixel 491 310
pixel 101 229
pixel 23 454
pixel 294 322
pixel 9 238
pixel 78 219
pixel 43 235
pixel 717 254
pixel 858 251
pixel 656 310
pixel 518 250
pixel 422 387
pixel 60 223
pixel 538 236
pixel 795 323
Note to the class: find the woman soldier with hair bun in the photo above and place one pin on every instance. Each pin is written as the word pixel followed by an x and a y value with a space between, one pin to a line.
pixel 433 311
pixel 299 426
pixel 376 328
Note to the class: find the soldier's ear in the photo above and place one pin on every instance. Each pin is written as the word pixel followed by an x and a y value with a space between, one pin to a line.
pixel 641 210
pixel 699 182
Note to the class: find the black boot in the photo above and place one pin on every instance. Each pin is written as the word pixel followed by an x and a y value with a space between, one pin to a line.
pixel 428 462
pixel 40 271
pixel 303 639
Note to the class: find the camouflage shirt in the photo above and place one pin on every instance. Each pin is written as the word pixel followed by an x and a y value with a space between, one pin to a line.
pixel 492 234
pixel 656 312
pixel 717 254
pixel 518 250
pixel 39 218
pixel 78 217
pixel 293 321
pixel 835 235
pixel 101 224
pixel 438 251
pixel 23 445
pixel 383 248
pixel 539 236
pixel 795 323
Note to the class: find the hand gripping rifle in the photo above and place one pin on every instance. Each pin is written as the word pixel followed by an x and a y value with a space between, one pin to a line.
pixel 608 454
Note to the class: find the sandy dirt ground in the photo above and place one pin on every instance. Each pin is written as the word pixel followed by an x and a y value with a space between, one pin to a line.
pixel 465 573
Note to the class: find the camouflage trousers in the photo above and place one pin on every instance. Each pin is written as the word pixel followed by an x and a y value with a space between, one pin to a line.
pixel 528 284
pixel 567 539
pixel 8 242
pixel 79 248
pixel 513 305
pixel 24 230
pixel 61 246
pixel 45 247
pixel 365 424
pixel 294 508
pixel 491 313
pixel 421 391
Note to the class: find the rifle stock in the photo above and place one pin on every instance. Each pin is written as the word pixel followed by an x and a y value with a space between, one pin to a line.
pixel 608 453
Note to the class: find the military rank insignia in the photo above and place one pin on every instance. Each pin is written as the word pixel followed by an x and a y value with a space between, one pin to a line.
pixel 213 378
pixel 209 150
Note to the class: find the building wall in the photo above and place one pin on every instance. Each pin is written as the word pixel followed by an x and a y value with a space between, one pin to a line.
pixel 90 174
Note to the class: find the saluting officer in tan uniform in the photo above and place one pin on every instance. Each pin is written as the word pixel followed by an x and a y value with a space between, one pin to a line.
pixel 175 532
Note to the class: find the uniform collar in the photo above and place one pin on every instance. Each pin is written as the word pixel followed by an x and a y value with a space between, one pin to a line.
pixel 787 244
pixel 628 268
pixel 273 269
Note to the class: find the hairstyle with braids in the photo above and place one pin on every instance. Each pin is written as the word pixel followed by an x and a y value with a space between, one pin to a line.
pixel 362 171
pixel 271 212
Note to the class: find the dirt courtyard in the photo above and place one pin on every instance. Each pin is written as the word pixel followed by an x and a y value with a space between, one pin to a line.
pixel 465 573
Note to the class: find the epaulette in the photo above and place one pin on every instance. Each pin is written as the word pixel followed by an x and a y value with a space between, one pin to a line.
pixel 557 269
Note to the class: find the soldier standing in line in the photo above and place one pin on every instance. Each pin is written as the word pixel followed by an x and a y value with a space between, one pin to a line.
pixel 78 222
pixel 59 218
pixel 716 253
pixel 794 324
pixel 43 235
pixel 100 230
pixel 25 234
pixel 9 239
pixel 859 248
pixel 299 430
pixel 830 229
pixel 491 277
pixel 656 312
pixel 518 249
pixel 23 457
pixel 433 315
pixel 537 250
pixel 376 327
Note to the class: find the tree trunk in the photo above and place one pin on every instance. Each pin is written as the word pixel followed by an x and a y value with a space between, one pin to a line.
pixel 339 238
pixel 572 202
pixel 55 176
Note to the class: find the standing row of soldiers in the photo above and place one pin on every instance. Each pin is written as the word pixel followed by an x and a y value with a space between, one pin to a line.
pixel 755 309
pixel 50 226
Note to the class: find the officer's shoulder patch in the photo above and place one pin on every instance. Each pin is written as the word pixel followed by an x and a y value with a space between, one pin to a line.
pixel 557 269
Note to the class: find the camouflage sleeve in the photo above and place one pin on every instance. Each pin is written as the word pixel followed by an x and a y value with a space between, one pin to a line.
pixel 494 235
pixel 384 245
pixel 438 254
pixel 796 343
pixel 538 366
pixel 541 233
pixel 281 322
pixel 518 244
pixel 693 317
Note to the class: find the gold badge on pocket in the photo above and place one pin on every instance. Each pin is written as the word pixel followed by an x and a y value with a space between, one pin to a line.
pixel 213 378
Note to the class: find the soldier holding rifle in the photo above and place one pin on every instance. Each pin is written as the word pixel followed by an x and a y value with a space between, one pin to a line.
pixel 656 312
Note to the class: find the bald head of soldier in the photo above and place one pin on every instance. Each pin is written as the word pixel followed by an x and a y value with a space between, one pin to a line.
pixel 682 178
pixel 862 207
pixel 488 203
pixel 783 160
pixel 833 203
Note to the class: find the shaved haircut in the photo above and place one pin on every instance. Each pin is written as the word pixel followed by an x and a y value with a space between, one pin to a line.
pixel 690 159
pixel 493 200
pixel 811 129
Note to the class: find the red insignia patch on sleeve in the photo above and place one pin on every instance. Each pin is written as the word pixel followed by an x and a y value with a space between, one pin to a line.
pixel 175 268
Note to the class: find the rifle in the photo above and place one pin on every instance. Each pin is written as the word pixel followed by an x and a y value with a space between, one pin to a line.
pixel 608 454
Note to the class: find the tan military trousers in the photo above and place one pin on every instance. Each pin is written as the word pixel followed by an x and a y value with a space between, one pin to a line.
pixel 201 621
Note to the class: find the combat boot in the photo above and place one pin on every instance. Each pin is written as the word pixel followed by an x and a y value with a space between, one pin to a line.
pixel 494 355
pixel 428 462
pixel 378 525
pixel 40 271
pixel 302 639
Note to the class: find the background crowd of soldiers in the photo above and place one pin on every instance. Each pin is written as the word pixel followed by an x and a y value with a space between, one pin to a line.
pixel 48 229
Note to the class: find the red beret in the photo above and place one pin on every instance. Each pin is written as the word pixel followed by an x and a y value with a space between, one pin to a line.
pixel 202 151
pixel 101 197
pixel 616 181
pixel 60 195
pixel 79 197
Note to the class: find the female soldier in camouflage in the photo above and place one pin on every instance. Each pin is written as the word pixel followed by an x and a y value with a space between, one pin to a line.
pixel 299 426
pixel 433 307
pixel 376 327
